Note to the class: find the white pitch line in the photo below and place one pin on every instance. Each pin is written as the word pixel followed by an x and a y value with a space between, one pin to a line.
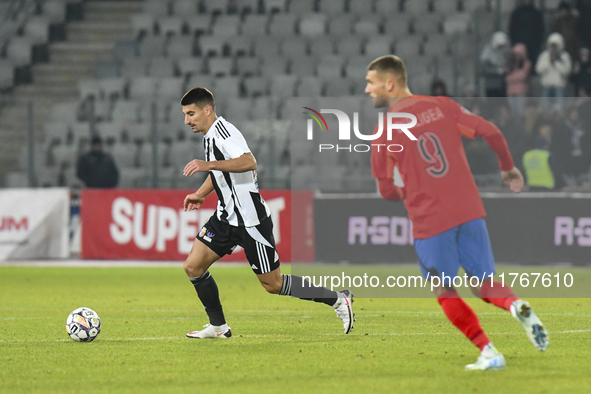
pixel 102 339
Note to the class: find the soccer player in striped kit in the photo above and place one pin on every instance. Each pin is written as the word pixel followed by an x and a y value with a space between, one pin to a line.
pixel 443 201
pixel 242 218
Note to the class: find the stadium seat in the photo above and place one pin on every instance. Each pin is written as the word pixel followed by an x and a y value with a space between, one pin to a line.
pixel 337 87
pixel 80 132
pixel 312 25
pixel 266 47
pixel 273 66
pixel 111 132
pixel 227 87
pixel 65 111
pixel 55 132
pixel 19 51
pixel 180 46
pixel 184 8
pixel 112 88
pixel 275 5
pixel 282 25
pixel 170 25
pixel 349 46
pixel 459 23
pixel 87 87
pixel 301 7
pixel 408 46
pixel 135 66
pixel 142 24
pixel 157 7
pixel 226 26
pixel 463 46
pixel 124 154
pixel 6 74
pixel 154 106
pixel 199 24
pixel 203 80
pixel 140 132
pixel 303 66
pixel 37 29
pixel 182 152
pixel 142 87
pixel 341 25
pixel 264 108
pixel 295 47
pixel 170 88
pixel 220 66
pixel 47 176
pixel 330 66
pixel 396 26
pixel 212 45
pixel 322 46
pixel 151 46
pixel 416 7
pixel 448 7
pixel 190 65
pixel 332 7
pixel 378 46
pixel 248 66
pixel 238 109
pixel 356 68
pixel 246 6
pixel 470 7
pixel 283 85
pixel 387 7
pixel 309 87
pixel 55 10
pixel 368 26
pixel 146 155
pixel 427 24
pixel 240 46
pixel 255 25
pixel 216 7
pixel 256 86
pixel 126 110
pixel 436 44
pixel 131 178
pixel 361 7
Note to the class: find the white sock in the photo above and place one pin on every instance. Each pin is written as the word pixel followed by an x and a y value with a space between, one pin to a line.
pixel 489 350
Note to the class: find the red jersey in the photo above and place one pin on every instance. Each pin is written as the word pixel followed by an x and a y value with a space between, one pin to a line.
pixel 440 190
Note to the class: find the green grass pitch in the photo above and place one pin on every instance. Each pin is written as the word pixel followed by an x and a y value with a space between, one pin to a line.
pixel 280 345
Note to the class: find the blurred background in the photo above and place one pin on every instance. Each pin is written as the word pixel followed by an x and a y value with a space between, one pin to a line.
pixel 87 81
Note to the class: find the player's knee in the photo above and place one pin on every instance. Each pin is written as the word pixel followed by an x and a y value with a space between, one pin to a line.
pixel 193 270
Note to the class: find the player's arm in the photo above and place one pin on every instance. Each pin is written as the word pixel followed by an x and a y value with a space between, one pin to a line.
pixel 244 163
pixel 194 200
pixel 389 191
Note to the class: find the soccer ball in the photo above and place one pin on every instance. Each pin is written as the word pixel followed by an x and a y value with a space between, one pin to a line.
pixel 83 325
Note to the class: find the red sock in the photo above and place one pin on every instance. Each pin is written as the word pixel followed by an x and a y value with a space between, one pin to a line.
pixel 463 317
pixel 498 295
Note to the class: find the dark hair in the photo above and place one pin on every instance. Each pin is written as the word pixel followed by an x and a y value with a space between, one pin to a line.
pixel 200 97
pixel 389 63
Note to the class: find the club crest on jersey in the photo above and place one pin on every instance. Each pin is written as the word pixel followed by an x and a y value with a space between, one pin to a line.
pixel 206 234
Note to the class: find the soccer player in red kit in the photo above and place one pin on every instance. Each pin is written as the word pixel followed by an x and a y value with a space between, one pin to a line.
pixel 443 202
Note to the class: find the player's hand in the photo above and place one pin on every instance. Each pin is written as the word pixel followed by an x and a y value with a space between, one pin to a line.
pixel 195 166
pixel 193 201
pixel 513 179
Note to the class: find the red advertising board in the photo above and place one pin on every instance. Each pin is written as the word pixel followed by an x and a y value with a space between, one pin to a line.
pixel 145 224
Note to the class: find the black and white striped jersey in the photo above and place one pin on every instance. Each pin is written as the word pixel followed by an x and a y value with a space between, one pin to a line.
pixel 240 203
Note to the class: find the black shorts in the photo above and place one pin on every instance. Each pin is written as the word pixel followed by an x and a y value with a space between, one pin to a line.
pixel 258 242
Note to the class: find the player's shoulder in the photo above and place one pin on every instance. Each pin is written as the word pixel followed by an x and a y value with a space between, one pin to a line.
pixel 225 129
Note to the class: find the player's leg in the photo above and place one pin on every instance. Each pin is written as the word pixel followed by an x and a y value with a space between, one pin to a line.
pixel 259 247
pixel 439 259
pixel 476 257
pixel 200 258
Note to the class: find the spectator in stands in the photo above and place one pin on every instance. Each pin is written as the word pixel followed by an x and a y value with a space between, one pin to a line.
pixel 582 72
pixel 512 128
pixel 527 26
pixel 565 24
pixel 583 27
pixel 493 60
pixel 554 67
pixel 571 147
pixel 438 88
pixel 536 162
pixel 517 79
pixel 531 116
pixel 96 168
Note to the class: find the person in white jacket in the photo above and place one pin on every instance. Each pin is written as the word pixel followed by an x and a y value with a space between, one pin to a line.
pixel 554 66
